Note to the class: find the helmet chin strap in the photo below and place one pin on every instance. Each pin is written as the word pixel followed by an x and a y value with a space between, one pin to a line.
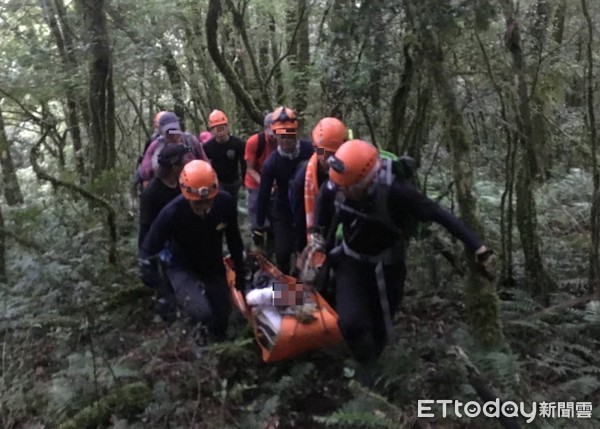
pixel 292 155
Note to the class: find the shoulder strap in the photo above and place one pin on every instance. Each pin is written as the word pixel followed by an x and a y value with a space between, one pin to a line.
pixel 382 193
pixel 262 142
pixel 190 144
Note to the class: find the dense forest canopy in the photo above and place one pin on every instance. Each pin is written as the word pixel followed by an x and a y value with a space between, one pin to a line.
pixel 496 100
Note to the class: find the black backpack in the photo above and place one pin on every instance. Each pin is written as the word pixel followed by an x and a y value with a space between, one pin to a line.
pixel 404 168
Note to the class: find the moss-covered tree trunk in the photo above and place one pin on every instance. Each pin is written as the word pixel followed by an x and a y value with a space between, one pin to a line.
pixel 101 88
pixel 301 64
pixel 339 58
pixel 64 43
pixel 594 272
pixel 174 75
pixel 3 275
pixel 481 300
pixel 399 104
pixel 241 94
pixel 206 68
pixel 538 282
pixel 12 190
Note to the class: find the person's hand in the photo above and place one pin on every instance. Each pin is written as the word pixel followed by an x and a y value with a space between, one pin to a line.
pixel 258 236
pixel 486 258
pixel 148 271
pixel 316 242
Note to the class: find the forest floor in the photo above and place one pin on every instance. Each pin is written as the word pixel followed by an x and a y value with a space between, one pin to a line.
pixel 82 347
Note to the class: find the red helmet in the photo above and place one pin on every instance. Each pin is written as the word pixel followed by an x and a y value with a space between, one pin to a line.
pixel 284 121
pixel 198 181
pixel 356 162
pixel 216 118
pixel 329 134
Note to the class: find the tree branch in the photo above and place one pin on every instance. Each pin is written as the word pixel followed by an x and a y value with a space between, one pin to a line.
pixel 212 25
pixel 111 215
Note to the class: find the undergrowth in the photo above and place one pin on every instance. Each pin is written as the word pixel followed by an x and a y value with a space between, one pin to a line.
pixel 81 346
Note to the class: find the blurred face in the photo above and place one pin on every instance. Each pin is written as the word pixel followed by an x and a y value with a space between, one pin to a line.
pixel 221 133
pixel 202 207
pixel 287 142
pixel 174 136
pixel 323 155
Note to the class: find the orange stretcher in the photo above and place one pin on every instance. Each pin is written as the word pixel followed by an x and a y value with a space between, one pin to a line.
pixel 294 336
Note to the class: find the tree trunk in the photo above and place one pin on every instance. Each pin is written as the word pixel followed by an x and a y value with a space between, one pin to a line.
pixel 241 94
pixel 339 57
pixel 481 301
pixel 12 190
pixel 594 272
pixel 3 276
pixel 539 283
pixel 399 103
pixel 69 66
pixel 205 66
pixel 174 75
pixel 101 90
pixel 276 72
pixel 240 24
pixel 559 22
pixel 302 62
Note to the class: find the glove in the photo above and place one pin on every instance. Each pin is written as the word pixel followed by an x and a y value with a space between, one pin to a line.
pixel 486 259
pixel 316 242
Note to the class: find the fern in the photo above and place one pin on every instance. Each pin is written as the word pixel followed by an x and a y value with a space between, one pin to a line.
pixel 358 420
pixel 296 380
pixel 592 312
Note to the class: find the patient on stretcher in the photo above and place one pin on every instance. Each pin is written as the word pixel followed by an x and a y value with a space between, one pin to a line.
pixel 272 299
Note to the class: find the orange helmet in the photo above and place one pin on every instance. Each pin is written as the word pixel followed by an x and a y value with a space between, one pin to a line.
pixel 157 118
pixel 356 162
pixel 198 181
pixel 284 121
pixel 216 118
pixel 329 134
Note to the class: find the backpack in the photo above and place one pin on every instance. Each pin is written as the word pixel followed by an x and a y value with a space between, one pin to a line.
pixel 262 143
pixel 393 168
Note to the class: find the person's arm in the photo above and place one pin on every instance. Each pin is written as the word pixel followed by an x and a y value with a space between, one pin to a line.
pixel 240 156
pixel 264 194
pixel 425 209
pixel 198 147
pixel 298 210
pixel 235 244
pixel 147 215
pixel 324 209
pixel 159 233
pixel 250 157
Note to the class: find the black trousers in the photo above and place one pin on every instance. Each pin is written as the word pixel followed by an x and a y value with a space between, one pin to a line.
pixel 357 303
pixel 232 189
pixel 283 232
pixel 202 298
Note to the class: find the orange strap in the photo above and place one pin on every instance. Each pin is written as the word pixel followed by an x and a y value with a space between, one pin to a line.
pixel 311 189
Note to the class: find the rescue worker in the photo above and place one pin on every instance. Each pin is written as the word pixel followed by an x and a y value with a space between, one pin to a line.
pixel 370 263
pixel 159 192
pixel 258 148
pixel 193 224
pixel 137 180
pixel 327 136
pixel 278 170
pixel 162 189
pixel 226 154
pixel 170 133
